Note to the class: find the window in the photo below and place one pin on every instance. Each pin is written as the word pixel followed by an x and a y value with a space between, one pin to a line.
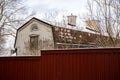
pixel 34 42
pixel 34 27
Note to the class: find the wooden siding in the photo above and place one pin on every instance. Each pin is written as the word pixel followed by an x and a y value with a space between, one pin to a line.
pixel 79 64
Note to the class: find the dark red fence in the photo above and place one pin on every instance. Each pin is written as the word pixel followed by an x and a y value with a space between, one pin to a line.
pixel 84 64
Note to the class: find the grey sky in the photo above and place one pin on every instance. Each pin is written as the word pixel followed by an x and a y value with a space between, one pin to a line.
pixel 70 6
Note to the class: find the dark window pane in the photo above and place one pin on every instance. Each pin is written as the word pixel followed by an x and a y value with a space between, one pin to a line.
pixel 34 27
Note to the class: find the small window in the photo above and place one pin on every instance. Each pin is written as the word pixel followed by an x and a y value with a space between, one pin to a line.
pixel 34 27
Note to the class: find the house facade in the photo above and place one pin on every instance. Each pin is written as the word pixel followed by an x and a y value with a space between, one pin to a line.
pixel 36 35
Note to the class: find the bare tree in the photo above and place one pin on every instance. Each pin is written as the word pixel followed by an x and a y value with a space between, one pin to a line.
pixel 51 17
pixel 108 13
pixel 12 15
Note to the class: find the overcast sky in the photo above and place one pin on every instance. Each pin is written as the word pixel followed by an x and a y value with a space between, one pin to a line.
pixel 76 7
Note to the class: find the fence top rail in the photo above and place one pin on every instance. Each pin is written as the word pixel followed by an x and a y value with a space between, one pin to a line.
pixel 13 58
pixel 84 50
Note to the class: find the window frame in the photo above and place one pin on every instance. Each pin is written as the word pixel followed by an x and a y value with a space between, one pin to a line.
pixel 34 27
pixel 32 44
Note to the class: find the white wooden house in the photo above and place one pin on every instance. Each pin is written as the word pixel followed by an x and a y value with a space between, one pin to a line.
pixel 36 35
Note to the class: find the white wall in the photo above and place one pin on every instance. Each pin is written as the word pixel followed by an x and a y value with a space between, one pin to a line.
pixel 45 38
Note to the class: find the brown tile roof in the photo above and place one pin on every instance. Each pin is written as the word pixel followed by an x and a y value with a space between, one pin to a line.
pixel 64 35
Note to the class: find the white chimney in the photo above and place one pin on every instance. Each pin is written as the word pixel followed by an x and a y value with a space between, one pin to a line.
pixel 72 20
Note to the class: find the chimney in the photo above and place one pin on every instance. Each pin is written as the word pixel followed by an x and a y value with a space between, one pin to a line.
pixel 72 20
pixel 93 25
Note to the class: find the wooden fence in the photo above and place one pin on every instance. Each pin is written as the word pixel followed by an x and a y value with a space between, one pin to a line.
pixel 79 64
